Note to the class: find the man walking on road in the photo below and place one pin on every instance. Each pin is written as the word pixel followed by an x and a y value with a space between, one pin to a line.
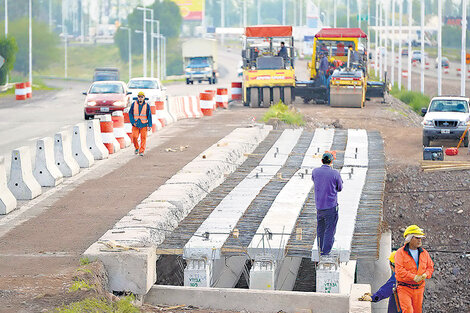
pixel 327 183
pixel 140 117
pixel 387 290
pixel 413 266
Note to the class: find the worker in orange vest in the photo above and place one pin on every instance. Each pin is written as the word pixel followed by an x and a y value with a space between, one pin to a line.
pixel 413 266
pixel 140 117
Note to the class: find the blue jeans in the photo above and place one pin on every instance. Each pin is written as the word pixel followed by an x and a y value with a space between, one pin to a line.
pixel 326 229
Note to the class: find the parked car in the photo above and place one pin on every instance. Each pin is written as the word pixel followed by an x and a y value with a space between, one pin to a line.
pixel 445 118
pixel 152 88
pixel 106 97
pixel 444 61
pixel 106 73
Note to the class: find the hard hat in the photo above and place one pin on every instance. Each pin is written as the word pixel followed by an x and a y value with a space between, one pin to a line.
pixel 141 93
pixel 391 258
pixel 415 231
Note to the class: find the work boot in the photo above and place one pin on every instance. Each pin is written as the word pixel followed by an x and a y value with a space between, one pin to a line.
pixel 141 154
pixel 136 151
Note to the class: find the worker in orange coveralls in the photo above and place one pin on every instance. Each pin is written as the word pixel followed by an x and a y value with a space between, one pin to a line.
pixel 141 119
pixel 413 266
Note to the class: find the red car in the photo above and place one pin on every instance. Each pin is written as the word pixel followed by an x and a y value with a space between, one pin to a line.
pixel 105 97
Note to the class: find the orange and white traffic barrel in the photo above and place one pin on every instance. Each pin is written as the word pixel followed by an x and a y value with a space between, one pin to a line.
pixel 446 70
pixel 426 65
pixel 404 73
pixel 459 71
pixel 20 91
pixel 118 129
pixel 206 100
pixel 155 122
pixel 127 124
pixel 160 112
pixel 213 92
pixel 29 90
pixel 236 91
pixel 107 132
pixel 221 98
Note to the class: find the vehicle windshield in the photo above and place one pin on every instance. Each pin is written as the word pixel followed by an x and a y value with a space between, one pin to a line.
pixel 459 106
pixel 334 47
pixel 143 84
pixel 199 62
pixel 106 76
pixel 106 88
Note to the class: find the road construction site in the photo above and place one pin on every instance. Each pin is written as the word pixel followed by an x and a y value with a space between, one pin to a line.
pixel 220 185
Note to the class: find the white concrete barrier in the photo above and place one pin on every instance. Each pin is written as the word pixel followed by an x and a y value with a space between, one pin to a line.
pixel 63 154
pixel 80 152
pixel 171 108
pixel 7 199
pixel 46 171
pixel 22 183
pixel 94 141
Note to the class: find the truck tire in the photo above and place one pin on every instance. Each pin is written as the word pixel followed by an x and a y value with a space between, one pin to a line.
pixel 426 141
pixel 254 98
pixel 266 97
pixel 188 81
pixel 276 95
pixel 287 95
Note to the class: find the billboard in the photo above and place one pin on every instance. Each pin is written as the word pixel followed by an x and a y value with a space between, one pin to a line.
pixel 191 10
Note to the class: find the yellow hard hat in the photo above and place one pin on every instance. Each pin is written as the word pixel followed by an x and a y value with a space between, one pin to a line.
pixel 391 258
pixel 413 230
pixel 141 93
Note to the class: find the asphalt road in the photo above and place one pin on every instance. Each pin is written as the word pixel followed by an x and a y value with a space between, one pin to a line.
pixel 23 122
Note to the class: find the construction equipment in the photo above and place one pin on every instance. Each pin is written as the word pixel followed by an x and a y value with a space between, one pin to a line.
pixel 455 150
pixel 346 52
pixel 268 75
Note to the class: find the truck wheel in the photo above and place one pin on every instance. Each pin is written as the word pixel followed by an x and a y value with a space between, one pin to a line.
pixel 254 98
pixel 276 95
pixel 187 81
pixel 426 141
pixel 287 95
pixel 266 97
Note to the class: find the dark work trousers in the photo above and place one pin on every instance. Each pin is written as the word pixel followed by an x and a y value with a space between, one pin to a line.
pixel 326 229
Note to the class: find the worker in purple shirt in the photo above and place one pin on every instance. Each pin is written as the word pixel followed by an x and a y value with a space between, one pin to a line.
pixel 327 183
pixel 323 68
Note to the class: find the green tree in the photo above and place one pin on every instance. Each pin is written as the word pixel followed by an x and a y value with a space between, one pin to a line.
pixel 8 50
pixel 45 45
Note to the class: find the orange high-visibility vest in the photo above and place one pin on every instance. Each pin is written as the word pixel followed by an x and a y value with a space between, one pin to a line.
pixel 143 114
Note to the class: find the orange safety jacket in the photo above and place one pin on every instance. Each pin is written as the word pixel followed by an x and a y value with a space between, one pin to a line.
pixel 143 114
pixel 406 270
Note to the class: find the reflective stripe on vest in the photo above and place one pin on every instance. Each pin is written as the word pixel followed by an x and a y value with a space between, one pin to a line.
pixel 143 114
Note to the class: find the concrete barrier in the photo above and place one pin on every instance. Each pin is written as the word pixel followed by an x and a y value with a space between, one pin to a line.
pixel 7 199
pixel 244 300
pixel 80 152
pixel 22 183
pixel 94 142
pixel 196 106
pixel 170 109
pixel 46 171
pixel 63 154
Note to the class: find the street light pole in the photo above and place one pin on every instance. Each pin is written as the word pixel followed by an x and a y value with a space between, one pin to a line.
pixel 30 43
pixel 463 73
pixel 283 12
pixel 439 48
pixel 347 13
pixel 50 14
pixel 410 17
pixel 359 13
pixel 334 13
pixel 376 37
pixel 129 48
pixel 423 59
pixel 400 40
pixel 64 32
pixel 259 11
pixel 381 57
pixel 244 13
pixel 222 18
pixel 392 79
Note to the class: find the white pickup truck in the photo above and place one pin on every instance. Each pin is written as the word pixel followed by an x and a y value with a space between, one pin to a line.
pixel 445 118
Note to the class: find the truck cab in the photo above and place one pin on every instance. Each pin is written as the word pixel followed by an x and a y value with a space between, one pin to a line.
pixel 200 60
pixel 445 118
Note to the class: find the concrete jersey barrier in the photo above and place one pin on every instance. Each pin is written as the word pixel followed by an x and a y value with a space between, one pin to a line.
pixel 22 183
pixel 79 149
pixel 7 199
pixel 63 154
pixel 46 171
pixel 94 142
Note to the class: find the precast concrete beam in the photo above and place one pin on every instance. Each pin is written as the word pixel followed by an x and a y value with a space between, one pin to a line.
pixel 281 218
pixel 334 277
pixel 225 216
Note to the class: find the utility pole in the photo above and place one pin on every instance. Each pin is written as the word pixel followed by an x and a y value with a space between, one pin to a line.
pixel 347 13
pixel 410 18
pixel 463 73
pixel 244 14
pixel 64 32
pixel 359 13
pixel 50 14
pixel 399 44
pixel 368 28
pixel 423 59
pixel 82 25
pixel 334 14
pixel 144 34
pixel 439 48
pixel 259 12
pixel 392 78
pixel 129 48
pixel 381 57
pixel 222 18
pixel 387 35
pixel 300 11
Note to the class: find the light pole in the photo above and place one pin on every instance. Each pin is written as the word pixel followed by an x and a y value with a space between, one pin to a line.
pixel 439 48
pixel 244 13
pixel 144 34
pixel 258 11
pixel 423 59
pixel 334 13
pixel 347 13
pixel 392 79
pixel 64 32
pixel 463 73
pixel 50 14
pixel 30 44
pixel 129 48
pixel 385 12
pixel 381 23
pixel 410 17
pixel 222 18
pixel 400 40
pixel 283 12
pixel 6 18
pixel 376 36
pixel 359 13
